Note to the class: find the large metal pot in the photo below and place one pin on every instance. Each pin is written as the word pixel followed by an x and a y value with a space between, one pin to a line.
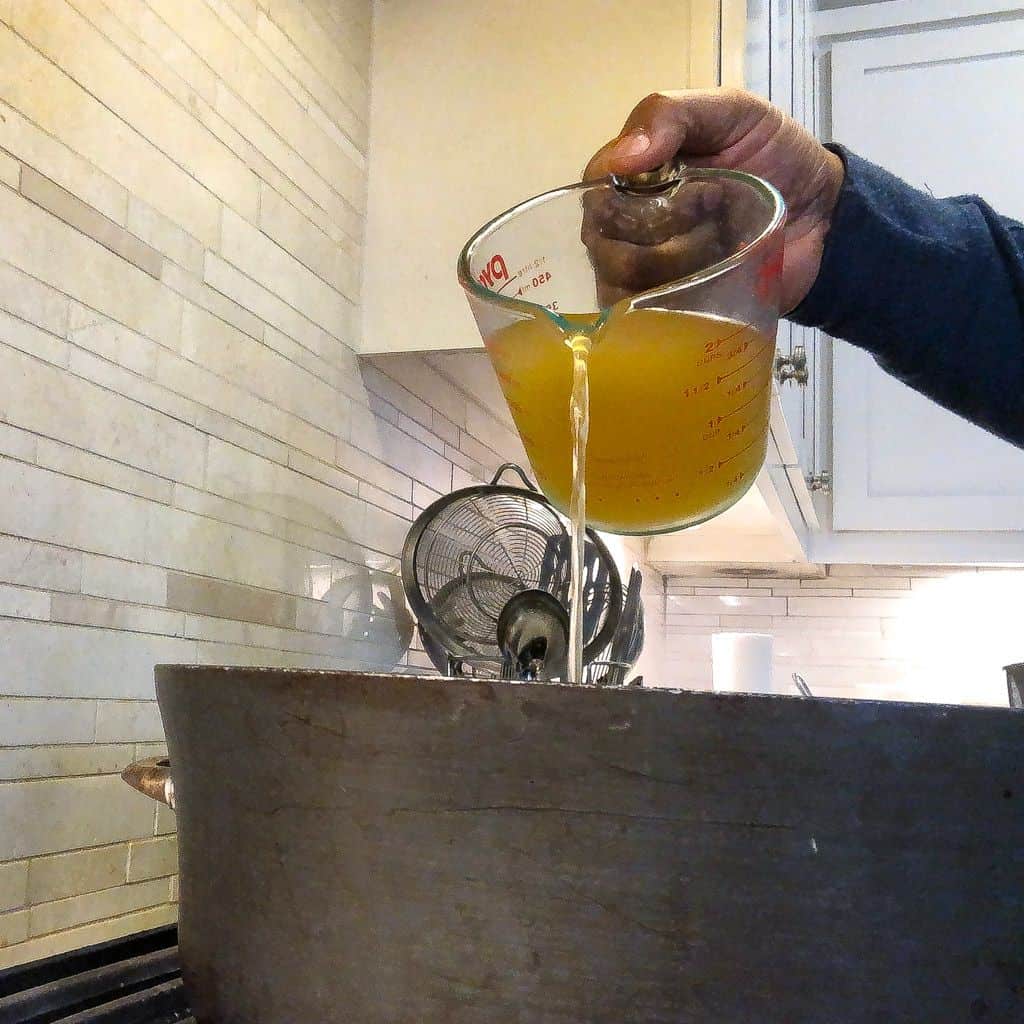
pixel 389 850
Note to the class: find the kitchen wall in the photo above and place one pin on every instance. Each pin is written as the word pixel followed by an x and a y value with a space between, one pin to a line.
pixel 194 466
pixel 873 632
pixel 499 117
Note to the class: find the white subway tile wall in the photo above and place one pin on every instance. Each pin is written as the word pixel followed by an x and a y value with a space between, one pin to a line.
pixel 939 634
pixel 193 460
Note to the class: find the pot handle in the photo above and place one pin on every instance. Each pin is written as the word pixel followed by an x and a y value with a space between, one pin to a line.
pixel 152 778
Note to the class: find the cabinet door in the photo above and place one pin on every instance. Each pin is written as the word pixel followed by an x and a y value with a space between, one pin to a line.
pixel 940 108
pixel 475 109
pixel 777 66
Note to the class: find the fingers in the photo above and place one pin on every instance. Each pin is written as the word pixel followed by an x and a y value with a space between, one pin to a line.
pixel 696 122
pixel 632 268
pixel 640 242
pixel 600 165
pixel 633 245
pixel 653 133
pixel 611 215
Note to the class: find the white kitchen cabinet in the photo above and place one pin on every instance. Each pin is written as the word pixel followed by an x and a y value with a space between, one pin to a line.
pixel 764 46
pixel 925 88
pixel 471 113
pixel 778 65
pixel 476 108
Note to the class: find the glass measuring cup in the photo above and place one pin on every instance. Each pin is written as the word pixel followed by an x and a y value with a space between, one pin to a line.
pixel 674 277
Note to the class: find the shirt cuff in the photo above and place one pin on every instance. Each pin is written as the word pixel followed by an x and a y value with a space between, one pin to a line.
pixel 840 241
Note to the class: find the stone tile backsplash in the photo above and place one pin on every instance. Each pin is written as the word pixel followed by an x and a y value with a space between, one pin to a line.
pixel 194 464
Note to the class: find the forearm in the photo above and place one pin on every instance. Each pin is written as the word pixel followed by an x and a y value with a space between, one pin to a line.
pixel 933 288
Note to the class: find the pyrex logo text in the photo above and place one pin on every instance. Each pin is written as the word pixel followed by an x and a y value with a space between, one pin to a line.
pixel 494 271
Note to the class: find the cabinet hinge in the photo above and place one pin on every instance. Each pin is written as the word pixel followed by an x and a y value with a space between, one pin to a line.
pixel 821 482
pixel 792 367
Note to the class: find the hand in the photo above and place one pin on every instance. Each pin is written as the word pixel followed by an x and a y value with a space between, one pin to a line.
pixel 712 128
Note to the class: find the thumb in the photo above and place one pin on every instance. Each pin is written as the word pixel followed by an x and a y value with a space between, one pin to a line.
pixel 697 122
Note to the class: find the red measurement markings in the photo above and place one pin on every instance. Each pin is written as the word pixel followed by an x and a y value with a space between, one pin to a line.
pixel 718 342
pixel 712 428
pixel 768 278
pixel 753 359
pixel 734 433
pixel 532 265
pixel 739 349
pixel 736 455
pixel 537 281
pixel 718 357
pixel 749 401
pixel 713 349
pixel 693 390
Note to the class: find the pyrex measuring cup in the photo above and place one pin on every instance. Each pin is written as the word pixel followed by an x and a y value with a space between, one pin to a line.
pixel 675 277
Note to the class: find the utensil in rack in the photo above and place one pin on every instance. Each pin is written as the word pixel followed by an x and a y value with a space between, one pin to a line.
pixel 628 641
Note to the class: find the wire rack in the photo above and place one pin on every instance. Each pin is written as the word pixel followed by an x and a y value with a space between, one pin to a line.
pixel 475 549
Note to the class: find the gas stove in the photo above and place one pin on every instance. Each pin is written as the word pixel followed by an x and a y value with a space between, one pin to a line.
pixel 134 980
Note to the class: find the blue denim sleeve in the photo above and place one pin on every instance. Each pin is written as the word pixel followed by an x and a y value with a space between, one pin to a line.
pixel 932 288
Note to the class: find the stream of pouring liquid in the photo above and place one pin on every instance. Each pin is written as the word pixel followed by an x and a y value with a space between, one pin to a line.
pixel 579 414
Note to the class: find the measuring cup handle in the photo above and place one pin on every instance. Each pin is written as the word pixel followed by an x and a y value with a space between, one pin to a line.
pixel 513 468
